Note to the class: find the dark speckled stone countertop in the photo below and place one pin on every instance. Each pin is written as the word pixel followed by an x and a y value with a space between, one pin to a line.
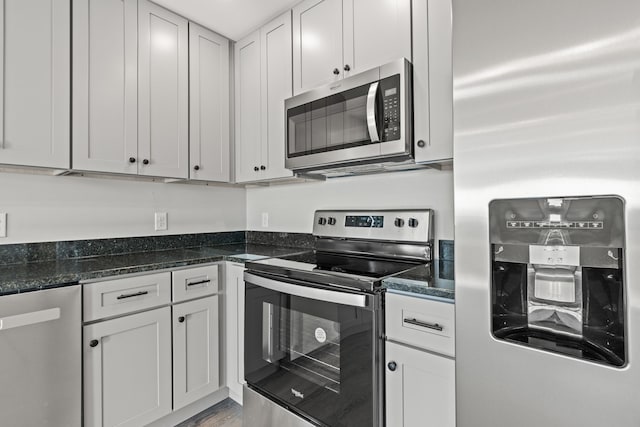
pixel 31 276
pixel 433 281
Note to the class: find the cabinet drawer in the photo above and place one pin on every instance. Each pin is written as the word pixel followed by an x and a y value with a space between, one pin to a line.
pixel 121 296
pixel 195 282
pixel 422 323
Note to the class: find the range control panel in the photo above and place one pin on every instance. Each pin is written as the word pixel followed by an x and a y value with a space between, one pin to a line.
pixel 394 225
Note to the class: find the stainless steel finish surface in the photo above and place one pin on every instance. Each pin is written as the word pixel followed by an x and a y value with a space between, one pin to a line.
pixel 398 150
pixel 258 411
pixel 338 297
pixel 422 233
pixel 547 100
pixel 372 125
pixel 40 358
pixel 382 249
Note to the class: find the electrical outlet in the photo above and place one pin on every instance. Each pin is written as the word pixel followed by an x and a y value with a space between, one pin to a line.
pixel 3 224
pixel 265 219
pixel 161 221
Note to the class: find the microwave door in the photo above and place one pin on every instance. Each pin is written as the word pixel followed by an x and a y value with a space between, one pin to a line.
pixel 372 110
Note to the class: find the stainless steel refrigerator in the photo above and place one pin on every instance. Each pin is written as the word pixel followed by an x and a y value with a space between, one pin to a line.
pixel 547 212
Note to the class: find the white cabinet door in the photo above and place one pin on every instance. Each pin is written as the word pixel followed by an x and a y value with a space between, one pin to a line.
pixel 209 105
pixel 420 391
pixel 127 369
pixel 105 85
pixel 234 321
pixel 248 138
pixel 432 80
pixel 195 350
pixel 317 43
pixel 375 32
pixel 163 96
pixel 276 87
pixel 35 80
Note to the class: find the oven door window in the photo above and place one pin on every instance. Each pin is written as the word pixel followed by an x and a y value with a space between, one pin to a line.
pixel 314 356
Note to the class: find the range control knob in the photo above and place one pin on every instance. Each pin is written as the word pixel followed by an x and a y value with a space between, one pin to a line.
pixel 332 221
pixel 413 223
pixel 322 221
pixel 399 222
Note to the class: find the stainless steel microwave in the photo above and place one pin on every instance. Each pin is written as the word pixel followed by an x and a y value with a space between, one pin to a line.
pixel 363 119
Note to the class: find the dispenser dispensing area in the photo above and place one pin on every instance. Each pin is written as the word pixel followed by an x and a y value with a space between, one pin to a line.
pixel 557 281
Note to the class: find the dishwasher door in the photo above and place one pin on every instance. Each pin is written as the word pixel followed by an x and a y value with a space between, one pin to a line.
pixel 40 358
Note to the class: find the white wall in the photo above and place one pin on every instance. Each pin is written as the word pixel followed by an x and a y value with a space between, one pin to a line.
pixel 291 206
pixel 48 208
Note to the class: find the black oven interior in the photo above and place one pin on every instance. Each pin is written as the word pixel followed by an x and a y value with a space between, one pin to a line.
pixel 314 357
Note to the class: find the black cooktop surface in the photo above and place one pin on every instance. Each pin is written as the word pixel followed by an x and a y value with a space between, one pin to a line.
pixel 349 271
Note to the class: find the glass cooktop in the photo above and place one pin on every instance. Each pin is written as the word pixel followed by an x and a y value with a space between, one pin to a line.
pixel 350 271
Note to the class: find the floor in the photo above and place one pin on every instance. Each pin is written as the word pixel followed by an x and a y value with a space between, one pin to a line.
pixel 225 414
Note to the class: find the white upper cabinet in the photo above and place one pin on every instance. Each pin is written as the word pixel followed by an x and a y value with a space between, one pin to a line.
pixel 376 32
pixel 263 82
pixel 317 43
pixel 276 87
pixel 105 85
pixel 247 120
pixel 209 105
pixel 432 81
pixel 35 82
pixel 163 97
pixel 333 39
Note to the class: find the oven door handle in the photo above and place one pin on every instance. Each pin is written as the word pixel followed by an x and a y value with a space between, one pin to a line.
pixel 372 124
pixel 345 298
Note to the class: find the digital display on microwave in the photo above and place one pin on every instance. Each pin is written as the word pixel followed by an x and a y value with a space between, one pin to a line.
pixel 390 92
pixel 364 221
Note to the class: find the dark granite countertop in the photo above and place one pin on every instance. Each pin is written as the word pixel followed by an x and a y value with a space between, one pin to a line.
pixel 433 281
pixel 31 276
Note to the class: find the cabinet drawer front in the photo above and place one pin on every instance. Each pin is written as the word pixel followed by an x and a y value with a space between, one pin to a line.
pixel 121 296
pixel 195 283
pixel 421 323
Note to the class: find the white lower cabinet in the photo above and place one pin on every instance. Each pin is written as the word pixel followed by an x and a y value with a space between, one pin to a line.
pixel 195 350
pixel 234 321
pixel 127 369
pixel 419 362
pixel 420 389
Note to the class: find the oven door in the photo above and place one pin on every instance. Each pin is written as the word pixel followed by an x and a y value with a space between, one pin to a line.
pixel 313 350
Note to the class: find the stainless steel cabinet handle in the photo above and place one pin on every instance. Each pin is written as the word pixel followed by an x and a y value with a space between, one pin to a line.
pixel 372 125
pixel 26 319
pixel 415 322
pixel 137 294
pixel 199 282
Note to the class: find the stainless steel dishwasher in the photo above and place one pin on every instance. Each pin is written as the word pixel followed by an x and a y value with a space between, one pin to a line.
pixel 40 358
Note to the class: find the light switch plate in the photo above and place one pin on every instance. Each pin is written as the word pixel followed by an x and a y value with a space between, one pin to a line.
pixel 161 221
pixel 265 219
pixel 3 224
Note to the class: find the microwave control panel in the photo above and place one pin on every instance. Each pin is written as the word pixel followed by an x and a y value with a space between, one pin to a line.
pixel 390 89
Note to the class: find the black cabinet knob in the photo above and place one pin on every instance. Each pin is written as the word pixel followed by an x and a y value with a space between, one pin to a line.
pixel 93 343
pixel 346 67
pixel 145 162
pixel 392 366
pixel 132 159
pixel 421 143
pixel 398 222
pixel 181 319
pixel 336 71
pixel 196 168
pixel 263 167
pixel 256 169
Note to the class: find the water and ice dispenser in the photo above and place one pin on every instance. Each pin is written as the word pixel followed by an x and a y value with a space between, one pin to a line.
pixel 557 275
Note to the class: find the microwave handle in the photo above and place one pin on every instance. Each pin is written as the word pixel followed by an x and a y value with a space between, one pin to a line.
pixel 371 113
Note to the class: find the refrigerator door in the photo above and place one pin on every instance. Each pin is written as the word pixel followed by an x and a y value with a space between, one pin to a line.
pixel 40 358
pixel 547 103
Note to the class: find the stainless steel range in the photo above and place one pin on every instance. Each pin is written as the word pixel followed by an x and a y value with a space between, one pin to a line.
pixel 314 323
